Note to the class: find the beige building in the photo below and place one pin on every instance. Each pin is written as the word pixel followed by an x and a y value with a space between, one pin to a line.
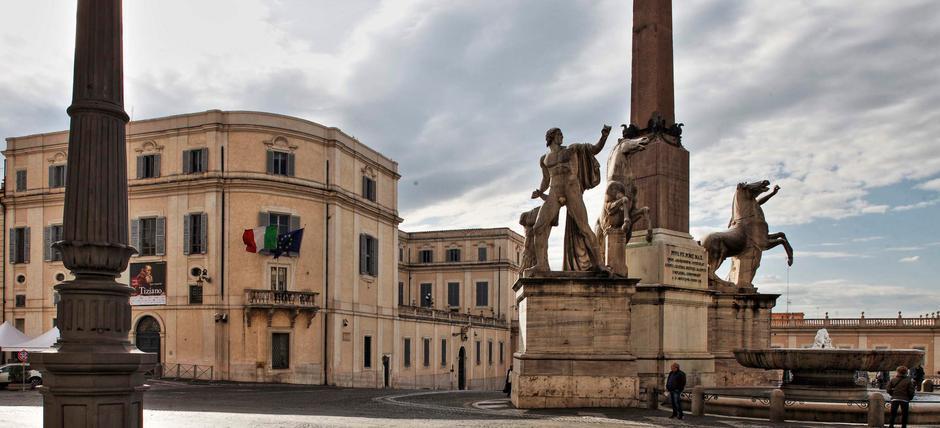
pixel 327 314
pixel 792 330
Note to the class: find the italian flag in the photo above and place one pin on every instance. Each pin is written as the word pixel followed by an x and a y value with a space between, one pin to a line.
pixel 260 238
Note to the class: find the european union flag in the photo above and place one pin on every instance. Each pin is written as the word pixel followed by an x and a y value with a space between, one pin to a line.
pixel 289 243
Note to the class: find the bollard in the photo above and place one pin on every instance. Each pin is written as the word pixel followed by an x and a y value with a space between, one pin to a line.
pixel 698 400
pixel 876 410
pixel 777 400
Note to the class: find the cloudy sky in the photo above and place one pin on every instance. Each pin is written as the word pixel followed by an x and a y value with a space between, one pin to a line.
pixel 836 101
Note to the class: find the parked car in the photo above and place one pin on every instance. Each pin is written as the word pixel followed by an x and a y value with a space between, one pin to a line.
pixel 9 374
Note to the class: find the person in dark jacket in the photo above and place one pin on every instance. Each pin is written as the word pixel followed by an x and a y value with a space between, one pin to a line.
pixel 918 375
pixel 675 383
pixel 901 389
pixel 508 388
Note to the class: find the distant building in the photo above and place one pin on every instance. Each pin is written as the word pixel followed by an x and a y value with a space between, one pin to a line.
pixel 792 330
pixel 332 313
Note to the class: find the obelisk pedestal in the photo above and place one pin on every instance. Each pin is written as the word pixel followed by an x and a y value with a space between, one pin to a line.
pixel 94 376
pixel 574 334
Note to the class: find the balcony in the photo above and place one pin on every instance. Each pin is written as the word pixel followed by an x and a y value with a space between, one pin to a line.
pixel 269 301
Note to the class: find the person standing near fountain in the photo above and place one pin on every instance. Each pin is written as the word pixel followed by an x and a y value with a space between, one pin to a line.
pixel 675 384
pixel 901 389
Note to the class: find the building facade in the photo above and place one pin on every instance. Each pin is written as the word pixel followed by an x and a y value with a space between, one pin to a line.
pixel 328 314
pixel 793 330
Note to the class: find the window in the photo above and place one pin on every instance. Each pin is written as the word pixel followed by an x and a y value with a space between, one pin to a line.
pixel 426 256
pixel 453 255
pixel 56 176
pixel 401 293
pixel 368 255
pixel 282 221
pixel 453 294
pixel 51 235
pixel 401 254
pixel 148 166
pixel 426 300
pixel 500 351
pixel 443 352
pixel 195 233
pixel 483 295
pixel 280 351
pixel 478 352
pixel 148 235
pixel 20 301
pixel 195 161
pixel 367 352
pixel 368 188
pixel 280 163
pixel 21 180
pixel 489 352
pixel 279 278
pixel 407 360
pixel 427 352
pixel 195 294
pixel 481 254
pixel 20 324
pixel 19 245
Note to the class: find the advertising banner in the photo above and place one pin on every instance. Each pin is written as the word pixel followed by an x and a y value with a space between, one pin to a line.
pixel 149 283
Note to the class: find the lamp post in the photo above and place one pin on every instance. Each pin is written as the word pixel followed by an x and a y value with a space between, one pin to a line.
pixel 94 376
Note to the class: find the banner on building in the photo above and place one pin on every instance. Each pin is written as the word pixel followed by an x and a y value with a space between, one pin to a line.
pixel 149 283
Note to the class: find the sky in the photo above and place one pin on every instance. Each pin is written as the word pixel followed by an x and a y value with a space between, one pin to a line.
pixel 836 102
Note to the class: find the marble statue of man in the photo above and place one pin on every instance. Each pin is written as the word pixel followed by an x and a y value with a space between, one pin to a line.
pixel 567 171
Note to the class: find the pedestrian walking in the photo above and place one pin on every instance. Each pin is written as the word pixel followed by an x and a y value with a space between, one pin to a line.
pixel 901 389
pixel 675 384
pixel 508 388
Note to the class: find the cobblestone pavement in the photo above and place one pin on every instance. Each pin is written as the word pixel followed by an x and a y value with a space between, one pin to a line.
pixel 171 404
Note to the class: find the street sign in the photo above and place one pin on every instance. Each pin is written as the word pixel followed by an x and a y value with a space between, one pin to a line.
pixel 22 356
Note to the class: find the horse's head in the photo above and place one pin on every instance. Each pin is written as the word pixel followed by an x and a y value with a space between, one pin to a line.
pixel 754 189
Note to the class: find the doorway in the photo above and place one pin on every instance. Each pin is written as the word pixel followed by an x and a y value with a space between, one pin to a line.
pixel 461 369
pixel 147 336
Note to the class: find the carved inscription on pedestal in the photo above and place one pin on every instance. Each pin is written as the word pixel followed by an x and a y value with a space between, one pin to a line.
pixel 685 267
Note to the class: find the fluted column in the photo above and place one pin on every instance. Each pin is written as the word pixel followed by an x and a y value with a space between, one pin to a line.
pixel 94 378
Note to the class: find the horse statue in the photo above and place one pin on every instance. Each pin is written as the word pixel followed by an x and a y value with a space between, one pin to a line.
pixel 746 238
pixel 620 208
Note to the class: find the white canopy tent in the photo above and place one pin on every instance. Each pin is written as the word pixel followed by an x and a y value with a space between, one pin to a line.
pixel 10 336
pixel 39 343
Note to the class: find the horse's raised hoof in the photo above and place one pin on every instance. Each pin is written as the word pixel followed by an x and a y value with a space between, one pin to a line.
pixel 789 261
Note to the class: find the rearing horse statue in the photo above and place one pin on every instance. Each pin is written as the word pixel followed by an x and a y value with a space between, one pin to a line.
pixel 746 238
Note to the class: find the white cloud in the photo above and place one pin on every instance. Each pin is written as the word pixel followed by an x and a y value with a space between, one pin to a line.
pixel 930 185
pixel 911 259
pixel 922 204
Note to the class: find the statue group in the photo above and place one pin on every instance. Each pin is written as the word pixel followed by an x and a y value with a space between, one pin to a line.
pixel 569 171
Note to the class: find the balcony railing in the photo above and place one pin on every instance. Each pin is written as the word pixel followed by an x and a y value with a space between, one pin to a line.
pixel 268 301
pixel 431 314
pixel 855 322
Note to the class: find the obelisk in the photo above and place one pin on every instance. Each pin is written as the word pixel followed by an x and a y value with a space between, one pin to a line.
pixel 670 307
pixel 94 377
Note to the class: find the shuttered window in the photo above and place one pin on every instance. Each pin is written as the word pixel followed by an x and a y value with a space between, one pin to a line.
pixel 195 294
pixel 427 352
pixel 453 294
pixel 148 236
pixel 51 235
pixel 401 293
pixel 426 300
pixel 478 352
pixel 483 294
pixel 368 255
pixel 148 166
pixel 280 351
pixel 453 255
pixel 195 233
pixel 426 256
pixel 195 161
pixel 406 361
pixel 489 352
pixel 481 254
pixel 21 180
pixel 56 176
pixel 368 188
pixel 280 163
pixel 501 352
pixel 443 352
pixel 19 245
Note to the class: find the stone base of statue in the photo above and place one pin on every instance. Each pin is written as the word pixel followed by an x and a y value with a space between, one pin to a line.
pixel 740 321
pixel 670 308
pixel 574 351
pixel 94 377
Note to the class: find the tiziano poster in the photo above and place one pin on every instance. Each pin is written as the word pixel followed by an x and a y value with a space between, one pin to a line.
pixel 149 283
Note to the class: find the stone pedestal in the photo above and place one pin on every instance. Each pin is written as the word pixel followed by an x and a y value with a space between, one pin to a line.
pixel 740 321
pixel 670 308
pixel 574 330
